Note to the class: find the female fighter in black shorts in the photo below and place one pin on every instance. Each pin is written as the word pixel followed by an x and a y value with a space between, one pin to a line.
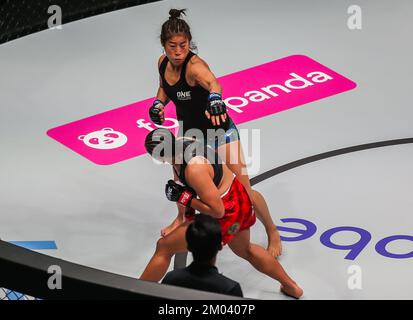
pixel 187 80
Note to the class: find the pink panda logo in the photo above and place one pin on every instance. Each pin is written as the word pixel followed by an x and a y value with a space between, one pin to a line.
pixel 104 139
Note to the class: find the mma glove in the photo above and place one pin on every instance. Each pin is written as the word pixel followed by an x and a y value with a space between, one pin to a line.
pixel 178 193
pixel 157 107
pixel 215 105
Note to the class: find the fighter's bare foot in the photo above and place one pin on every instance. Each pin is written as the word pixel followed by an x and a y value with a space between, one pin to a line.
pixel 171 227
pixel 292 290
pixel 274 243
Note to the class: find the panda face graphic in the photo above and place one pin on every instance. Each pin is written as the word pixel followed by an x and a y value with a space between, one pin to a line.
pixel 107 138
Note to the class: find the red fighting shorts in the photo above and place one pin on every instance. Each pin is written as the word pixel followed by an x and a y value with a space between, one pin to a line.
pixel 239 214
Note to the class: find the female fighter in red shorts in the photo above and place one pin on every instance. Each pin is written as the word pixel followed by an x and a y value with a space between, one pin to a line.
pixel 210 187
pixel 187 80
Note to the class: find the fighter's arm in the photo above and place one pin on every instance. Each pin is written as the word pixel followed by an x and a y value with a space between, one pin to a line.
pixel 200 179
pixel 181 209
pixel 161 95
pixel 203 76
pixel 157 110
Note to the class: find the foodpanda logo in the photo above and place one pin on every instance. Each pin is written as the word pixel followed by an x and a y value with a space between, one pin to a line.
pixel 274 90
pixel 107 138
pixel 181 95
pixel 249 94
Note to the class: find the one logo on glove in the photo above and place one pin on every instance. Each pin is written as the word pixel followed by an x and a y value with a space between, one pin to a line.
pixel 169 193
pixel 215 103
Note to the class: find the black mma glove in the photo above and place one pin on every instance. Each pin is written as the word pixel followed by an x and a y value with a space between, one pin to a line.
pixel 215 105
pixel 177 193
pixel 157 107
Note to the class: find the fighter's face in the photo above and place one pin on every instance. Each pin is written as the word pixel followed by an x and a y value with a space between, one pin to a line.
pixel 177 48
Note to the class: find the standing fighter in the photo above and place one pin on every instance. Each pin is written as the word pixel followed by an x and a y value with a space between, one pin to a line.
pixel 210 187
pixel 187 80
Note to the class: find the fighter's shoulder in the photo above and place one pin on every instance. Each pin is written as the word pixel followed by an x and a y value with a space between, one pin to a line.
pixel 161 59
pixel 197 160
pixel 198 165
pixel 196 64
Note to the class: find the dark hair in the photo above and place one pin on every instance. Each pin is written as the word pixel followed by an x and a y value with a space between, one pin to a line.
pixel 162 145
pixel 158 141
pixel 203 237
pixel 176 25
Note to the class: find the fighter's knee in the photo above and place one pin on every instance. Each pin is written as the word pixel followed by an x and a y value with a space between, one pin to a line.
pixel 252 194
pixel 162 247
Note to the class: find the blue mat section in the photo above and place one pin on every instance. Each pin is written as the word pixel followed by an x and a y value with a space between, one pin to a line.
pixel 36 245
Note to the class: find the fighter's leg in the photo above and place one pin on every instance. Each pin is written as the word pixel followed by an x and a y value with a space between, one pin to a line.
pixel 166 247
pixel 234 159
pixel 263 262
